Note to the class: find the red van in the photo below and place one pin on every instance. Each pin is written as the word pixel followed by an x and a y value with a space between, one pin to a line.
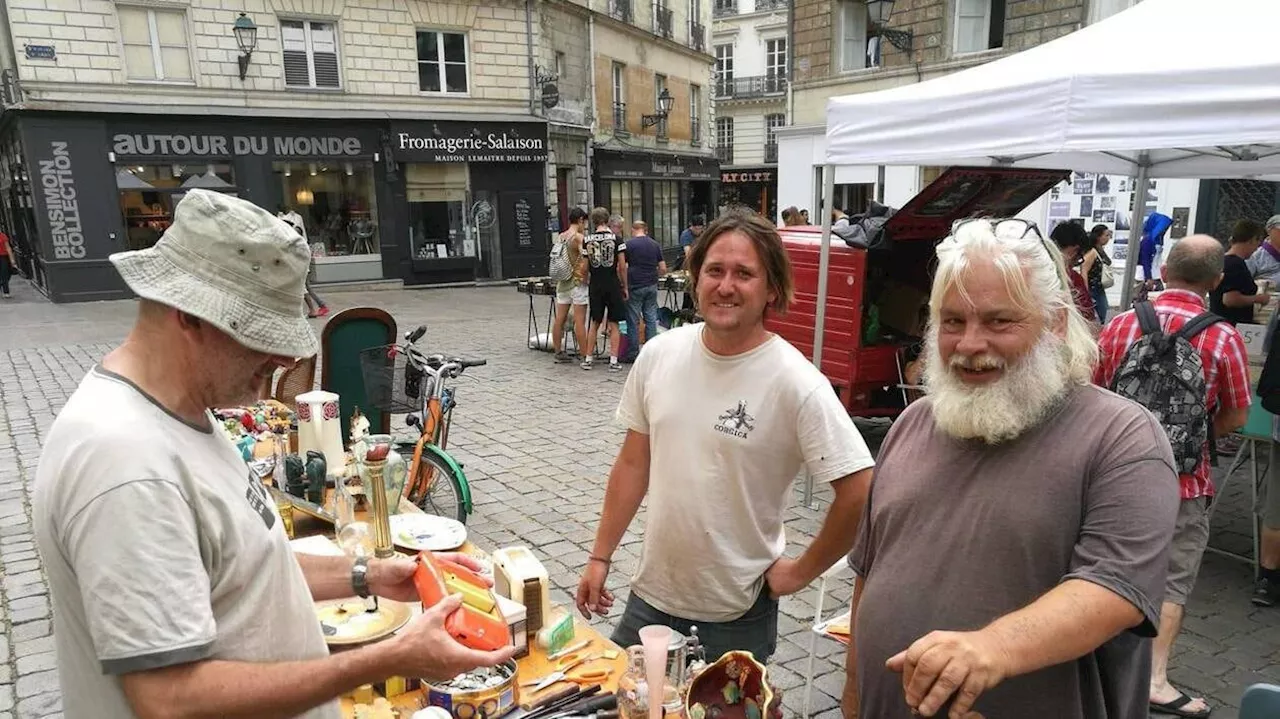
pixel 877 299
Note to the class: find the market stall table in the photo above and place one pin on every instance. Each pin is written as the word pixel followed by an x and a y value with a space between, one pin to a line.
pixel 529 668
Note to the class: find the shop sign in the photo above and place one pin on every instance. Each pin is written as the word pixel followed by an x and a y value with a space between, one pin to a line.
pixel 491 147
pixel 61 204
pixel 167 145
pixel 658 167
pixel 730 178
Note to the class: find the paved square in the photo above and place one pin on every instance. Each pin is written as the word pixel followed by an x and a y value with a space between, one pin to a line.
pixel 537 440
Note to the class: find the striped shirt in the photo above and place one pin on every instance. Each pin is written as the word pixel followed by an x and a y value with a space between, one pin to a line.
pixel 1222 352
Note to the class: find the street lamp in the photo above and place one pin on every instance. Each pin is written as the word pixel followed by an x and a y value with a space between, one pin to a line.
pixel 246 33
pixel 665 102
pixel 879 12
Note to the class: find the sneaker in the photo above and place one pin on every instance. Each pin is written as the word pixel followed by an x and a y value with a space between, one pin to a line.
pixel 614 366
pixel 563 357
pixel 586 363
pixel 322 311
pixel 7 294
pixel 1266 593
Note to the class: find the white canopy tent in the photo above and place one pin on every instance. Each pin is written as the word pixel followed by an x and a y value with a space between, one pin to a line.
pixel 1168 88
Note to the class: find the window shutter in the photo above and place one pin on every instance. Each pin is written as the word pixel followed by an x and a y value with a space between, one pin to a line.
pixel 972 25
pixel 293 38
pixel 324 49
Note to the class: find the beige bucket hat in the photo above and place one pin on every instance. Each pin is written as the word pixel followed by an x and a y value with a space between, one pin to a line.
pixel 233 265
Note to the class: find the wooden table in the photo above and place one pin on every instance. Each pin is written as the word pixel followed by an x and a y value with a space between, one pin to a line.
pixel 532 667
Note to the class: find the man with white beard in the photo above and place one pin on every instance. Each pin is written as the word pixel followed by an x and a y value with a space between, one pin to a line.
pixel 1014 544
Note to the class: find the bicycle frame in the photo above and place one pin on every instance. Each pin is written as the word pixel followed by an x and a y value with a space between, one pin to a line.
pixel 434 427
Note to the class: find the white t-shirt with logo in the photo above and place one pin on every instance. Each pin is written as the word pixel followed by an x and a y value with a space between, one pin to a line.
pixel 727 438
pixel 161 548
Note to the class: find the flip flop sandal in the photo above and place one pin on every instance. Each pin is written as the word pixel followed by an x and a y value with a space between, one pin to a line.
pixel 1174 707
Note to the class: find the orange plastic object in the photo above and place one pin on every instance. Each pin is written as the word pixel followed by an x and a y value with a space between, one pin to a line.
pixel 485 631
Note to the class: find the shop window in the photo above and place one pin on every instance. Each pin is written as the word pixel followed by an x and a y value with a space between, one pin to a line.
pixel 437 195
pixel 626 199
pixel 665 225
pixel 979 25
pixel 310 53
pixel 155 44
pixel 442 62
pixel 337 203
pixel 149 192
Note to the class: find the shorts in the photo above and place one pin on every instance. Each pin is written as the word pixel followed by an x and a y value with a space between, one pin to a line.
pixel 578 295
pixel 608 298
pixel 1190 537
pixel 1269 493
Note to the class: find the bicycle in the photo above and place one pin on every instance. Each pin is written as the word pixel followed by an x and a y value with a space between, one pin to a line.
pixel 401 378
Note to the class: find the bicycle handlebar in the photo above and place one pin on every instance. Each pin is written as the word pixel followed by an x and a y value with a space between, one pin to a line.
pixel 417 334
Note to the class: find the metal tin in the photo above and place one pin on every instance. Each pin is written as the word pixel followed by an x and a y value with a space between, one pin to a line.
pixel 490 702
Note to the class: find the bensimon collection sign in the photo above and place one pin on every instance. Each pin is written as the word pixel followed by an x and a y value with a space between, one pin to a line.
pixel 470 142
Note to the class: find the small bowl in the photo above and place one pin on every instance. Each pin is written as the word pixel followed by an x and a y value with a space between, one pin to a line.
pixel 735 687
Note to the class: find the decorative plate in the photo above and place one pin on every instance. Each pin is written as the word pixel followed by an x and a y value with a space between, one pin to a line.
pixel 427 532
pixel 345 621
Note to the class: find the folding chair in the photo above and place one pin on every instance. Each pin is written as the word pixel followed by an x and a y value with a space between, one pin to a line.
pixel 1257 436
pixel 819 624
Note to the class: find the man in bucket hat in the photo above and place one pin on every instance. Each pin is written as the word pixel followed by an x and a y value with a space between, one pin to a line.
pixel 173 585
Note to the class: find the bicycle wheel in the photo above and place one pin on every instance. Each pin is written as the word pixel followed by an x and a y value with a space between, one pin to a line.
pixel 437 489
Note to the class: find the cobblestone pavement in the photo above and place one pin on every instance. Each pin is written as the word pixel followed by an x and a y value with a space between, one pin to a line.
pixel 537 440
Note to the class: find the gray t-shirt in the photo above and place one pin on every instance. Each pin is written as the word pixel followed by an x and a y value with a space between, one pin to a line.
pixel 160 548
pixel 957 534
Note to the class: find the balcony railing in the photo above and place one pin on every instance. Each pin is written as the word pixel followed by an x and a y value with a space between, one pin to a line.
pixel 725 154
pixel 763 5
pixel 695 132
pixel 724 8
pixel 697 37
pixel 771 152
pixel 620 10
pixel 748 87
pixel 660 130
pixel 620 118
pixel 662 22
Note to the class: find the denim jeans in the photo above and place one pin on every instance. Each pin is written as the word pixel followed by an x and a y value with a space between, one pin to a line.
pixel 755 632
pixel 1100 304
pixel 642 302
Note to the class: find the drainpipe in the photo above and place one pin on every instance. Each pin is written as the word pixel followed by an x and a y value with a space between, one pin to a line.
pixel 528 41
pixel 591 129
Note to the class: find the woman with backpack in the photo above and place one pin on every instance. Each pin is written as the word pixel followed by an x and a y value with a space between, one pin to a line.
pixel 569 271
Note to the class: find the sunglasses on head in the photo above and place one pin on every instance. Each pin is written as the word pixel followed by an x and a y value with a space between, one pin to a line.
pixel 1020 229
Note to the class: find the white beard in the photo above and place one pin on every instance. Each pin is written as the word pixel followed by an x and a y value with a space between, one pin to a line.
pixel 1001 411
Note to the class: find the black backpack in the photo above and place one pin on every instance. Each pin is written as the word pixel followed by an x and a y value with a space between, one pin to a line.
pixel 1164 373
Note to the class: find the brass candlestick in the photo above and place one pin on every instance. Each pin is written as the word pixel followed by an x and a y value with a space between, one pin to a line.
pixel 376 494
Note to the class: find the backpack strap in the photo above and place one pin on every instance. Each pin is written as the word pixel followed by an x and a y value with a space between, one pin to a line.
pixel 1198 324
pixel 1148 320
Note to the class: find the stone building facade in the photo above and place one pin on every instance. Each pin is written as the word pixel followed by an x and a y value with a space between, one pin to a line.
pixel 838 50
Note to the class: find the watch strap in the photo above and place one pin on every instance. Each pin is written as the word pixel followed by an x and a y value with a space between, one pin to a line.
pixel 360 577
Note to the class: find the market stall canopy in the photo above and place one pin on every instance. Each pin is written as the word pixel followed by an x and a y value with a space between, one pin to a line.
pixel 1194 85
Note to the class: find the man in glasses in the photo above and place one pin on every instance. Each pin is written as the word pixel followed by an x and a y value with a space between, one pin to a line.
pixel 1036 508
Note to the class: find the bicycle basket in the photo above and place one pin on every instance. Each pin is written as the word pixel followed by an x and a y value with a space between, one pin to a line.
pixel 391 384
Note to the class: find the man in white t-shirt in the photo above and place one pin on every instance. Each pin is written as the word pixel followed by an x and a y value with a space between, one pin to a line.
pixel 174 589
pixel 721 417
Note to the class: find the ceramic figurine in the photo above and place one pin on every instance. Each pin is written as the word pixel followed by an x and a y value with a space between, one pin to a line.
pixel 359 435
pixel 316 471
pixel 295 474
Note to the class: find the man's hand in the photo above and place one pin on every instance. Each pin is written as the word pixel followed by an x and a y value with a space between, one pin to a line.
pixel 592 596
pixel 942 664
pixel 393 578
pixel 784 577
pixel 424 648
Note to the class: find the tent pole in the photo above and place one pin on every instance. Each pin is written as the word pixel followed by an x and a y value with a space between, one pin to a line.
pixel 1135 230
pixel 824 263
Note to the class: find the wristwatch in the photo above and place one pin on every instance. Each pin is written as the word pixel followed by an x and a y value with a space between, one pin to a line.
pixel 360 577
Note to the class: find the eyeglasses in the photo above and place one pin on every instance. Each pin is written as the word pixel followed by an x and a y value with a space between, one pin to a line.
pixel 1017 228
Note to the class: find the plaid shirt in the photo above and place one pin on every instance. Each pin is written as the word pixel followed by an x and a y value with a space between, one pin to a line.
pixel 1222 351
